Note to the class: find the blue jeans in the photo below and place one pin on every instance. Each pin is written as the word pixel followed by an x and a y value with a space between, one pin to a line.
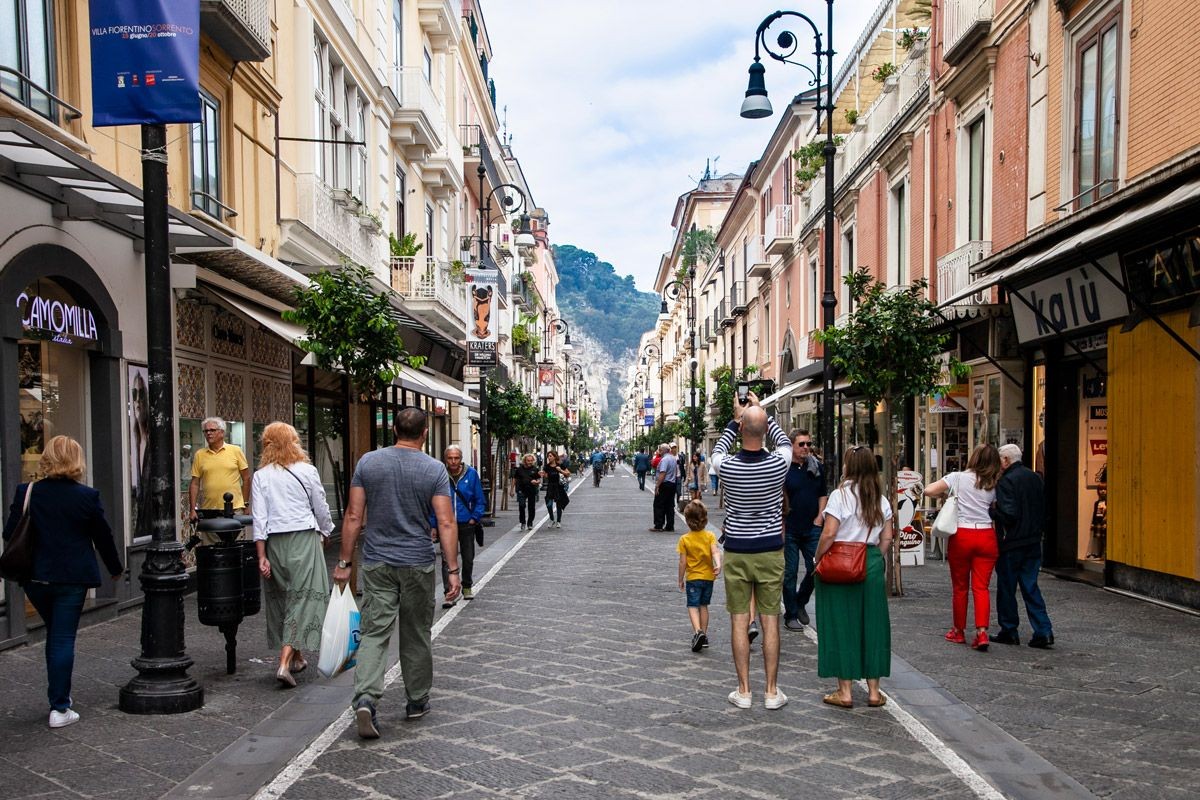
pixel 1020 567
pixel 553 509
pixel 794 546
pixel 60 606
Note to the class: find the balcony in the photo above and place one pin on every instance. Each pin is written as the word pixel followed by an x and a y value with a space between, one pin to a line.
pixel 419 125
pixel 965 23
pixel 710 330
pixel 723 316
pixel 757 265
pixel 439 19
pixel 954 271
pixel 442 174
pixel 476 153
pixel 522 295
pixel 737 298
pixel 429 290
pixel 241 27
pixel 777 230
pixel 325 212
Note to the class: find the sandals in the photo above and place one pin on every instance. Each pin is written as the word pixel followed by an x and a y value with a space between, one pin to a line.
pixel 298 665
pixel 880 703
pixel 834 699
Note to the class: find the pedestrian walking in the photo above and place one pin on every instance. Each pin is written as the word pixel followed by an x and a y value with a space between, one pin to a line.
pixel 525 483
pixel 697 476
pixel 597 461
pixel 753 480
pixel 854 636
pixel 699 566
pixel 71 530
pixel 641 465
pixel 469 505
pixel 972 550
pixel 396 489
pixel 806 496
pixel 291 525
pixel 217 469
pixel 1019 512
pixel 553 478
pixel 666 483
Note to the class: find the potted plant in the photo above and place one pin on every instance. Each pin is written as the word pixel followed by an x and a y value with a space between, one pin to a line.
pixel 458 271
pixel 910 37
pixel 404 247
pixel 851 116
pixel 884 71
pixel 810 158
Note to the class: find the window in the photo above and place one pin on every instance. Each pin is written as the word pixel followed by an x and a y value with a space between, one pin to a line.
pixel 321 107
pixel 898 228
pixel 398 32
pixel 430 219
pixel 341 119
pixel 846 301
pixel 975 175
pixel 27 46
pixel 401 194
pixel 206 157
pixel 814 297
pixel 428 67
pixel 1098 121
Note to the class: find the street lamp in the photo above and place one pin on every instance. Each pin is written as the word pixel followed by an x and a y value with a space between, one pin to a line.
pixel 557 325
pixel 654 351
pixel 756 106
pixel 672 291
pixel 512 201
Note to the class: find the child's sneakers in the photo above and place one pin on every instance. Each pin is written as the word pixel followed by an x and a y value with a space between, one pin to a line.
pixel 703 639
pixel 698 641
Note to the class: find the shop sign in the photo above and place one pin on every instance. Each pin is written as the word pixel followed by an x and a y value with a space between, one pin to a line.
pixel 649 421
pixel 1097 443
pixel 481 354
pixel 66 321
pixel 1069 301
pixel 648 402
pixel 950 399
pixel 910 538
pixel 1166 270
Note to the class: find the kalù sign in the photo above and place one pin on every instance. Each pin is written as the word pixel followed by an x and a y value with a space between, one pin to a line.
pixel 1166 270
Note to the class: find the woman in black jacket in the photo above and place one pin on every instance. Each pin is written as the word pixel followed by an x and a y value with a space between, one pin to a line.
pixel 71 527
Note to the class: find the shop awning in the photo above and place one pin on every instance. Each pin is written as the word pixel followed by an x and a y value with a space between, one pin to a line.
pixel 430 385
pixel 250 267
pixel 289 332
pixel 1096 239
pixel 799 387
pixel 81 190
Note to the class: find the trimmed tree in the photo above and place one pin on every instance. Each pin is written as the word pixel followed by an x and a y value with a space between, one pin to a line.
pixel 889 349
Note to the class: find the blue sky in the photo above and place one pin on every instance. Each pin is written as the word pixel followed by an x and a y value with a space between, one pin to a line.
pixel 614 106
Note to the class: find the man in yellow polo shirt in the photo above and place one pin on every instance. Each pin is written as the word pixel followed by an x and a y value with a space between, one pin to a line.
pixel 218 468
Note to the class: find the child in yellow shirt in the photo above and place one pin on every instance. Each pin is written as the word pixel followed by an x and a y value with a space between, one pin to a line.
pixel 699 565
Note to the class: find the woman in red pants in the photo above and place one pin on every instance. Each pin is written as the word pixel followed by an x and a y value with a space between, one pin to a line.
pixel 972 550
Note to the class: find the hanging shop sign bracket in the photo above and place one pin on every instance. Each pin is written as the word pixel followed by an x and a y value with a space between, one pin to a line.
pixel 981 350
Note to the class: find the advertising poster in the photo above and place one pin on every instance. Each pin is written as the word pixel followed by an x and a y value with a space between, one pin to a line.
pixel 482 335
pixel 1096 443
pixel 949 399
pixel 546 382
pixel 145 61
pixel 139 449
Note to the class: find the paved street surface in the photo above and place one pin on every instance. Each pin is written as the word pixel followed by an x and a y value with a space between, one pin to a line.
pixel 570 676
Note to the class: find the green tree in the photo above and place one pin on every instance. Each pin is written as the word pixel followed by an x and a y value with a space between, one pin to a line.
pixel 510 411
pixel 889 348
pixel 351 328
pixel 724 384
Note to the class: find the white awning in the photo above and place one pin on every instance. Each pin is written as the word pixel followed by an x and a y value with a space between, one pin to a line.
pixel 289 332
pixel 791 389
pixel 431 385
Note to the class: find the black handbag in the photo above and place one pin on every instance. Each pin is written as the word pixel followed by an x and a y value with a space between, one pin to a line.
pixel 16 563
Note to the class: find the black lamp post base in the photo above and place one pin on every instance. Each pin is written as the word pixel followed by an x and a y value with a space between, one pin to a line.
pixel 162 687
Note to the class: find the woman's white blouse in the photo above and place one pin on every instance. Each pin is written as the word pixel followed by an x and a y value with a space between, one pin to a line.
pixel 279 503
pixel 973 502
pixel 843 505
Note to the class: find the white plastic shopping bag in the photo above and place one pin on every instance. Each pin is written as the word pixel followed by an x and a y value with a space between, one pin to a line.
pixel 339 633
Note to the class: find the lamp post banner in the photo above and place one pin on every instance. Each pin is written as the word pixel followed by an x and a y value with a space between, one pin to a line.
pixel 145 61
pixel 546 382
pixel 482 296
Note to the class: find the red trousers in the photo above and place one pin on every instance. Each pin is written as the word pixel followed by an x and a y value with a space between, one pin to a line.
pixel 972 554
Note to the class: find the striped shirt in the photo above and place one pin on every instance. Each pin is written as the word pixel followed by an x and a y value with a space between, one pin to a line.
pixel 752 481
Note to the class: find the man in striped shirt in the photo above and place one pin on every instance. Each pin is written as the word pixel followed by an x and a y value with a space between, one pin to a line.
pixel 753 480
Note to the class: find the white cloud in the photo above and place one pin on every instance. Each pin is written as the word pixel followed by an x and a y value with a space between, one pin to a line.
pixel 615 106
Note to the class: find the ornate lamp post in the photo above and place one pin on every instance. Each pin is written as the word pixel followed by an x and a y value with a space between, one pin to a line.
pixel 654 351
pixel 756 106
pixel 512 201
pixel 672 292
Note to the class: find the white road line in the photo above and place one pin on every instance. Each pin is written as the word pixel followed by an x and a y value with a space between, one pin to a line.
pixel 296 768
pixel 940 750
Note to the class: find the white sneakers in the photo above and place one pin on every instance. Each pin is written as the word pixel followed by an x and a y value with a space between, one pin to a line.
pixel 740 700
pixel 61 719
pixel 776 702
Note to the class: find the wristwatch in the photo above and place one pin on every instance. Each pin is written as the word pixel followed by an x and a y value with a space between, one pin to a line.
pixel 343 564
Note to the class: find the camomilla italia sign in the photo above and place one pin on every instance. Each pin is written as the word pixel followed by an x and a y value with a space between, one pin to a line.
pixel 66 321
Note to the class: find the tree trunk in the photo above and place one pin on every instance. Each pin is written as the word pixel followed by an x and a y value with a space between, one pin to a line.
pixel 895 584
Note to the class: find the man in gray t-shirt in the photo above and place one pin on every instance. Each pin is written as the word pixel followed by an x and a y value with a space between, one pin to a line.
pixel 396 489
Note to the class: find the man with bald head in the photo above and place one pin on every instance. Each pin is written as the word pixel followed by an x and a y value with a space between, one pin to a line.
pixel 752 479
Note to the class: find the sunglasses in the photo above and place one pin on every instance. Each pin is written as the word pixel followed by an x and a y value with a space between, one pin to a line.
pixel 803 444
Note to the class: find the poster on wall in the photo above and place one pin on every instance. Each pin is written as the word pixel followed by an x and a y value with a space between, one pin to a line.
pixel 145 61
pixel 482 294
pixel 1096 442
pixel 546 382
pixel 138 401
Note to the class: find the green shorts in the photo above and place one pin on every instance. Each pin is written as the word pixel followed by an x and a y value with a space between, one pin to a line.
pixel 757 573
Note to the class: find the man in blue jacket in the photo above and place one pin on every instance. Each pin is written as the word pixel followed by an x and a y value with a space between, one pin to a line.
pixel 641 465
pixel 469 507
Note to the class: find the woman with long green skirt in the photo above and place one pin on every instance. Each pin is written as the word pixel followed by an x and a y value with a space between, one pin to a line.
pixel 854 635
pixel 291 524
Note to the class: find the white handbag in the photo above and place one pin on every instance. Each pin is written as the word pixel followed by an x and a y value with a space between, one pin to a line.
pixel 946 523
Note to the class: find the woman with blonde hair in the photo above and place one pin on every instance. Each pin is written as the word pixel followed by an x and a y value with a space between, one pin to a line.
pixel 71 529
pixel 291 523
pixel 854 636
pixel 973 549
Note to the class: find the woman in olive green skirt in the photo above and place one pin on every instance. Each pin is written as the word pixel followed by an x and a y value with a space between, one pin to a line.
pixel 854 637
pixel 291 522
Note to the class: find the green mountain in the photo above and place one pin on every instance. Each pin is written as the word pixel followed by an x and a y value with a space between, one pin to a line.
pixel 607 307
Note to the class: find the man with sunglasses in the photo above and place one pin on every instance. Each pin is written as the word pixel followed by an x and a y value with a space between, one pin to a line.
pixel 216 469
pixel 806 496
